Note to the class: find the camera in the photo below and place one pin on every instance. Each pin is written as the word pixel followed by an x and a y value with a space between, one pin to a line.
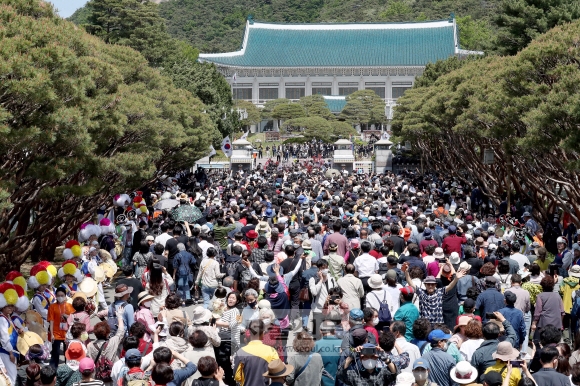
pixel 490 315
pixel 368 351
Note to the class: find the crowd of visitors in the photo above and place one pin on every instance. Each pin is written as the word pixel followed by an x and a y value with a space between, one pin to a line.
pixel 289 277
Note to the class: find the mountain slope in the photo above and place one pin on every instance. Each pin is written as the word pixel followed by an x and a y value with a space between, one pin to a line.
pixel 218 25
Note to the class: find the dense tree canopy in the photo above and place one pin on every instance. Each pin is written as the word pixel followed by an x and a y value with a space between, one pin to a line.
pixel 363 107
pixel 80 120
pixel 523 108
pixel 218 26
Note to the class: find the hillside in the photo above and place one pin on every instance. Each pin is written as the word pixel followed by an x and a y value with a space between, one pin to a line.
pixel 218 25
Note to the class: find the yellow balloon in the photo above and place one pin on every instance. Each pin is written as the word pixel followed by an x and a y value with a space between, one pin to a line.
pixel 52 270
pixel 76 251
pixel 11 296
pixel 20 280
pixel 43 277
pixel 69 269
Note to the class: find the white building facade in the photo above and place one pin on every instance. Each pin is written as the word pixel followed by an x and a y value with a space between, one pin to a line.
pixel 295 60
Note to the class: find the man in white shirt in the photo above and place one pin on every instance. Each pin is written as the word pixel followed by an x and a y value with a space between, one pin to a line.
pixel 204 244
pixel 393 288
pixel 164 236
pixel 517 256
pixel 398 328
pixel 366 265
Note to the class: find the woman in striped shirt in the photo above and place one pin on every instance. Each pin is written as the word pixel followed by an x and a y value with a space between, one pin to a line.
pixel 230 335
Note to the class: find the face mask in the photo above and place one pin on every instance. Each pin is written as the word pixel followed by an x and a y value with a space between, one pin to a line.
pixel 446 346
pixel 146 304
pixel 266 322
pixel 252 304
pixel 60 299
pixel 420 375
pixel 369 364
pixel 555 220
pixel 375 321
pixel 84 336
pixel 324 271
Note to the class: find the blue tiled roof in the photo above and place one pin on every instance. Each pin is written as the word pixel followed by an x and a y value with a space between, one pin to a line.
pixel 335 105
pixel 348 45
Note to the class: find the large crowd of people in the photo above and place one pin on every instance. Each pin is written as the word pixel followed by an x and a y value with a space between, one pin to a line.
pixel 285 276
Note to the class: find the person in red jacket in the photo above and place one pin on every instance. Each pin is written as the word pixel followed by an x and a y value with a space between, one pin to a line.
pixel 453 242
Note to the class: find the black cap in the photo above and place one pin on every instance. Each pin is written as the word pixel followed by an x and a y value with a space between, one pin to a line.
pixel 468 303
pixel 493 378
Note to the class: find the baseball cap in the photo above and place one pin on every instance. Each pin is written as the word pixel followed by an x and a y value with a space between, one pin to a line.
pixel 392 274
pixel 407 290
pixel 149 238
pixel 452 229
pixel 356 314
pixel 421 364
pixel 438 335
pixel 86 365
pixel 133 355
pixel 490 279
pixel 468 303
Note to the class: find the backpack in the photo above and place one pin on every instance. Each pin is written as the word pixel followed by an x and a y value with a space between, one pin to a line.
pixel 136 379
pixel 231 268
pixel 112 318
pixel 103 366
pixel 383 268
pixel 68 337
pixel 245 277
pixel 384 312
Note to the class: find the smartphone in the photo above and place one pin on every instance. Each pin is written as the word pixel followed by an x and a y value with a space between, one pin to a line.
pixel 386 328
pixel 334 298
pixel 516 363
pixel 490 315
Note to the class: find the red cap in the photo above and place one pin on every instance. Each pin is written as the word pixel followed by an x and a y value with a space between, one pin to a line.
pixel 252 234
pixel 407 290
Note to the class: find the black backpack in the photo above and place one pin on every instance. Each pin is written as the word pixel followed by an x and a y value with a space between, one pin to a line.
pixel 384 312
pixel 383 268
pixel 231 268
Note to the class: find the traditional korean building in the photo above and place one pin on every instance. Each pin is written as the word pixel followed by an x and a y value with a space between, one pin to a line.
pixel 294 60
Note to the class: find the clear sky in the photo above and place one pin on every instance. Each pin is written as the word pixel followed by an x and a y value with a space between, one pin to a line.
pixel 67 7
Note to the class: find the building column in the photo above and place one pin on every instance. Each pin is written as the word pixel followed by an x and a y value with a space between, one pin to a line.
pixel 308 86
pixel 334 86
pixel 281 88
pixel 255 90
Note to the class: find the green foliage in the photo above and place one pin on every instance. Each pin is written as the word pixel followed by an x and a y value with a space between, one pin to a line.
pixel 524 108
pixel 475 34
pixel 363 107
pixel 269 106
pixel 285 111
pixel 80 16
pixel 397 11
pixel 315 106
pixel 252 111
pixel 132 23
pixel 520 21
pixel 218 26
pixel 80 120
pixel 204 81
